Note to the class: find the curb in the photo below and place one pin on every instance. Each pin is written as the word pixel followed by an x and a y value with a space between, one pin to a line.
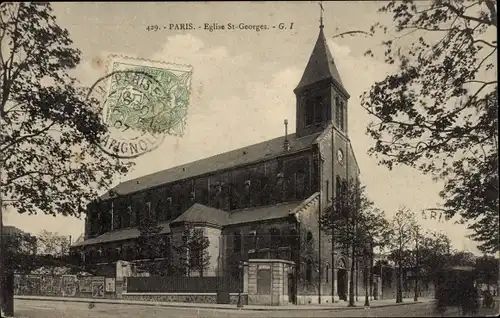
pixel 210 306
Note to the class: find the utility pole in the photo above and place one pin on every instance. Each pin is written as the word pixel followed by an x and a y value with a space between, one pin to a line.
pixel 417 263
pixel 2 251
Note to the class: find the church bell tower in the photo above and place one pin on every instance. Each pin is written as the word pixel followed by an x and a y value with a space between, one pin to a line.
pixel 320 94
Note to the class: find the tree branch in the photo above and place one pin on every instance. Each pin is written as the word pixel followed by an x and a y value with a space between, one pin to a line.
pixel 466 17
pixel 25 137
pixel 486 43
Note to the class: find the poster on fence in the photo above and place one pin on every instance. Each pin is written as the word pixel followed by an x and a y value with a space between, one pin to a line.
pixel 57 285
pixel 17 285
pixel 110 285
pixel 98 287
pixel 69 285
pixel 33 285
pixel 45 285
pixel 85 284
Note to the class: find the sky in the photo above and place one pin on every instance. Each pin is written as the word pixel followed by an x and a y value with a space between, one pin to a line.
pixel 242 85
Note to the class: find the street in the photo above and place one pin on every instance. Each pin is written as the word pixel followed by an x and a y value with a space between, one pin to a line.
pixel 53 309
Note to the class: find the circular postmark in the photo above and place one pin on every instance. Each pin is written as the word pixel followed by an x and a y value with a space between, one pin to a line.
pixel 140 105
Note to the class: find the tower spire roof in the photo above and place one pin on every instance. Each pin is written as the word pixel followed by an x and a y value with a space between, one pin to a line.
pixel 321 15
pixel 321 65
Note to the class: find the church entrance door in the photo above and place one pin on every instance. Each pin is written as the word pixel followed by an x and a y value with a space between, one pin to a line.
pixel 342 283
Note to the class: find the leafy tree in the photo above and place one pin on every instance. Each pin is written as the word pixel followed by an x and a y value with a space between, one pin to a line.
pixel 52 248
pixel 50 130
pixel 487 270
pixel 49 243
pixel 20 253
pixel 430 254
pixel 438 111
pixel 462 258
pixel 434 252
pixel 401 241
pixel 154 246
pixel 192 251
pixel 353 221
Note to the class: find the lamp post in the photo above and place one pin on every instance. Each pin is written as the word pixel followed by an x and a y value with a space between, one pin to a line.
pixel 240 270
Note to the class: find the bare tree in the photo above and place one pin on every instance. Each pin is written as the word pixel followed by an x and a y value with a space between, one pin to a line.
pixel 401 238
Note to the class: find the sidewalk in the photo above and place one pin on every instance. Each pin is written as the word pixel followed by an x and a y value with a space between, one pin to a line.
pixel 337 306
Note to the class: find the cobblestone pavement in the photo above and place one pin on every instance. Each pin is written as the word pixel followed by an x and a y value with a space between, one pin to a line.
pixel 53 309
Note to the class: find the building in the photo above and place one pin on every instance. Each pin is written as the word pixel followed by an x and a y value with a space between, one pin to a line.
pixel 257 202
pixel 9 230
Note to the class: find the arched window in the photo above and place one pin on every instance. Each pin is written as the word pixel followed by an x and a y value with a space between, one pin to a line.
pixel 337 111
pixel 318 110
pixel 338 186
pixel 293 240
pixel 300 185
pixel 309 237
pixel 275 237
pixel 127 213
pixel 237 242
pixel 168 208
pixel 100 255
pixel 309 112
pixel 309 270
pixel 342 115
pixel 280 187
pixel 327 271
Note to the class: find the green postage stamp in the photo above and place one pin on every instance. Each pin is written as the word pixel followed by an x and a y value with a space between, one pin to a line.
pixel 142 102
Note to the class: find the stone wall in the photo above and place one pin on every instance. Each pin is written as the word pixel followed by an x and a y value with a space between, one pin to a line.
pixel 207 298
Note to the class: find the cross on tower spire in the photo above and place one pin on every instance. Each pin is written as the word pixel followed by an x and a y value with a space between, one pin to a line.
pixel 321 14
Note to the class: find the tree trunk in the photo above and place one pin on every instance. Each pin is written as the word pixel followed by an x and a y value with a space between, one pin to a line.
pixel 357 279
pixel 415 298
pixel 498 277
pixel 8 294
pixel 367 279
pixel 351 281
pixel 399 284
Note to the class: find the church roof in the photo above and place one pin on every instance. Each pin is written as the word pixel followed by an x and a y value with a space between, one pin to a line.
pixel 263 213
pixel 119 235
pixel 321 65
pixel 203 214
pixel 242 156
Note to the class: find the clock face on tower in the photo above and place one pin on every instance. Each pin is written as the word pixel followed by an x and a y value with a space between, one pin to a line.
pixel 340 156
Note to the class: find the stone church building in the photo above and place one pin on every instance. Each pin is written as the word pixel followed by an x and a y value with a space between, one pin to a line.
pixel 258 202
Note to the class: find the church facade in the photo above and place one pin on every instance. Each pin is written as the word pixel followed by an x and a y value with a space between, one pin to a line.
pixel 262 201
